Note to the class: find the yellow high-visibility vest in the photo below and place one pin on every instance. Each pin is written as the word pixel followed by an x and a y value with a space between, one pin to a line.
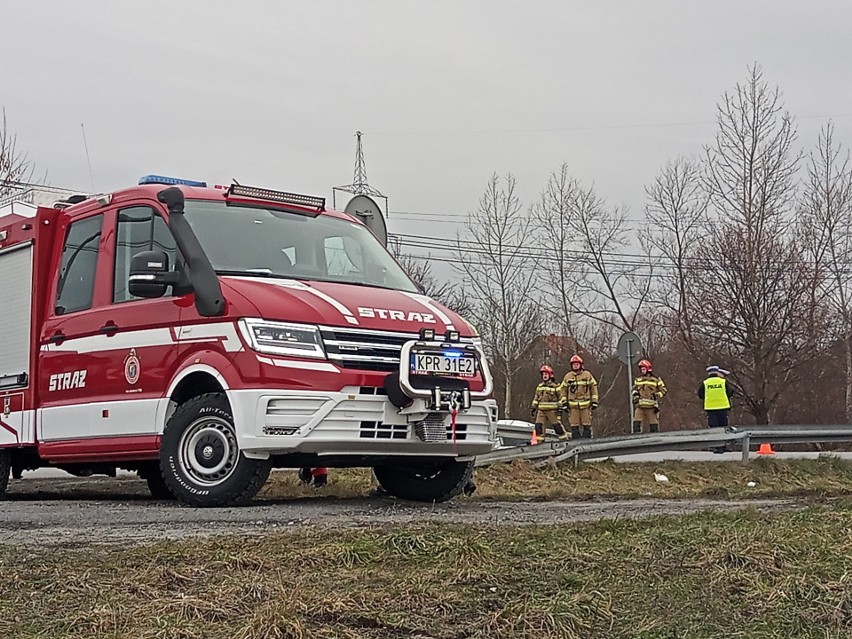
pixel 716 394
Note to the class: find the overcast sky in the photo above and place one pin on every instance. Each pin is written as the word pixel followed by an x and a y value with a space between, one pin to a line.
pixel 446 93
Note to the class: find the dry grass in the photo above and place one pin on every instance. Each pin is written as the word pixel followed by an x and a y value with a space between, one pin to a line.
pixel 747 574
pixel 827 476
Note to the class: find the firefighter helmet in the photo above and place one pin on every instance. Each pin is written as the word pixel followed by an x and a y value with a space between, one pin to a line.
pixel 576 359
pixel 646 364
pixel 546 369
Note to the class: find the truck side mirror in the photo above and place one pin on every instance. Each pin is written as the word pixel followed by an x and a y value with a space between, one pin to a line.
pixel 149 274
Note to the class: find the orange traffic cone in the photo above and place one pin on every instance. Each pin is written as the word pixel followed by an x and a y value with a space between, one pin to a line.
pixel 534 438
pixel 765 449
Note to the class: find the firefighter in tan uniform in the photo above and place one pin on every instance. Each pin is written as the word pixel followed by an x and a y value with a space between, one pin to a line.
pixel 580 397
pixel 545 405
pixel 648 390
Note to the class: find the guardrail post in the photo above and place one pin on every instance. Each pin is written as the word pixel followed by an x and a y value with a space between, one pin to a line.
pixel 746 446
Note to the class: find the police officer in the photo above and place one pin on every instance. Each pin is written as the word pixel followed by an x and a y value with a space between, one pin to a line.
pixel 648 390
pixel 580 397
pixel 545 404
pixel 716 393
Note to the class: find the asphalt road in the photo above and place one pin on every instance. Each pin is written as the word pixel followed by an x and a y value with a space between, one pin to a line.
pixel 49 506
pixel 103 510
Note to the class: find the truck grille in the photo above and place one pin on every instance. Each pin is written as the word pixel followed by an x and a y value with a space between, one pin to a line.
pixel 363 349
pixel 378 430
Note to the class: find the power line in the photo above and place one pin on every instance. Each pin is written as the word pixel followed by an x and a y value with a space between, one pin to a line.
pixel 539 257
pixel 427 214
pixel 591 127
pixel 611 258
pixel 641 270
pixel 427 241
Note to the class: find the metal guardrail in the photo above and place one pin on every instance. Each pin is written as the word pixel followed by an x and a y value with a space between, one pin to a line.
pixel 515 436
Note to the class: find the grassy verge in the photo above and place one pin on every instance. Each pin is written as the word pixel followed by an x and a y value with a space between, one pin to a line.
pixel 827 476
pixel 711 575
pixel 520 481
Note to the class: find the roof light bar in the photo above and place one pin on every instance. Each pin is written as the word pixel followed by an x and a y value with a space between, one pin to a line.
pixel 163 179
pixel 303 203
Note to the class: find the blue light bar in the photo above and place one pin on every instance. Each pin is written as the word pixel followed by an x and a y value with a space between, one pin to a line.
pixel 162 179
pixel 452 354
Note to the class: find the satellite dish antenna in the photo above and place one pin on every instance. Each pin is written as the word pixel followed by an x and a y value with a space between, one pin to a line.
pixel 365 209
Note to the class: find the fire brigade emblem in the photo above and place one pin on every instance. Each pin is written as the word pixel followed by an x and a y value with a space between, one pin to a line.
pixel 131 367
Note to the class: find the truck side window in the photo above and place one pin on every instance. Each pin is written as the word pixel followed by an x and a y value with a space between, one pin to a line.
pixel 139 229
pixel 76 287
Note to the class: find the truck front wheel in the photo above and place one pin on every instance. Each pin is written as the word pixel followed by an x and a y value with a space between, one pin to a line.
pixel 200 459
pixel 433 481
pixel 5 469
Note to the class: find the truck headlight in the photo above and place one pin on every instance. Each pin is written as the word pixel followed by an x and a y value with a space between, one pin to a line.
pixel 295 340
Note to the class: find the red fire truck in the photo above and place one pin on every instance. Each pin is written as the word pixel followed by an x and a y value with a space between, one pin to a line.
pixel 203 336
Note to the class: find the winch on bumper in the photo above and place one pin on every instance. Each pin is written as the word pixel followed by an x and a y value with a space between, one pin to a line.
pixel 413 415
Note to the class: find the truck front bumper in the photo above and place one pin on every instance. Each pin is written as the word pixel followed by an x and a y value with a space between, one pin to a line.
pixel 357 422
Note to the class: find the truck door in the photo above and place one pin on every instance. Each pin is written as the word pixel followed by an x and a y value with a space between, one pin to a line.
pixel 106 355
pixel 16 265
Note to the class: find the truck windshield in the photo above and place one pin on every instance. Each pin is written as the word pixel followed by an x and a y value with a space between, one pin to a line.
pixel 266 242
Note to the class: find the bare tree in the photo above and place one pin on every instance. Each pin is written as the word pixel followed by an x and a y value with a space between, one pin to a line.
pixel 597 286
pixel 612 286
pixel 826 213
pixel 751 309
pixel 420 270
pixel 558 260
pixel 751 288
pixel 494 261
pixel 675 210
pixel 751 167
pixel 15 166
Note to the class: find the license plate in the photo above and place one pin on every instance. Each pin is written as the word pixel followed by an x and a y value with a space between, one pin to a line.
pixel 460 366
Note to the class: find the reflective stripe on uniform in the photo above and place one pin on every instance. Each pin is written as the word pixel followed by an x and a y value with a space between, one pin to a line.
pixel 547 396
pixel 579 390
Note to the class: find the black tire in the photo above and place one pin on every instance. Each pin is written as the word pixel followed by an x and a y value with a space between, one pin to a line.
pixel 200 459
pixel 156 484
pixel 434 481
pixel 5 469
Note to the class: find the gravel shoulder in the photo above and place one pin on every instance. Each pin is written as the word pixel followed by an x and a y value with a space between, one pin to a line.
pixel 109 511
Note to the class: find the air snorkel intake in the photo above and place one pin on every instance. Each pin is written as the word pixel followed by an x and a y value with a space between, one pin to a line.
pixel 209 300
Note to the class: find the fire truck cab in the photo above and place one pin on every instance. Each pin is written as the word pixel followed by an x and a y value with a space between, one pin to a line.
pixel 202 336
